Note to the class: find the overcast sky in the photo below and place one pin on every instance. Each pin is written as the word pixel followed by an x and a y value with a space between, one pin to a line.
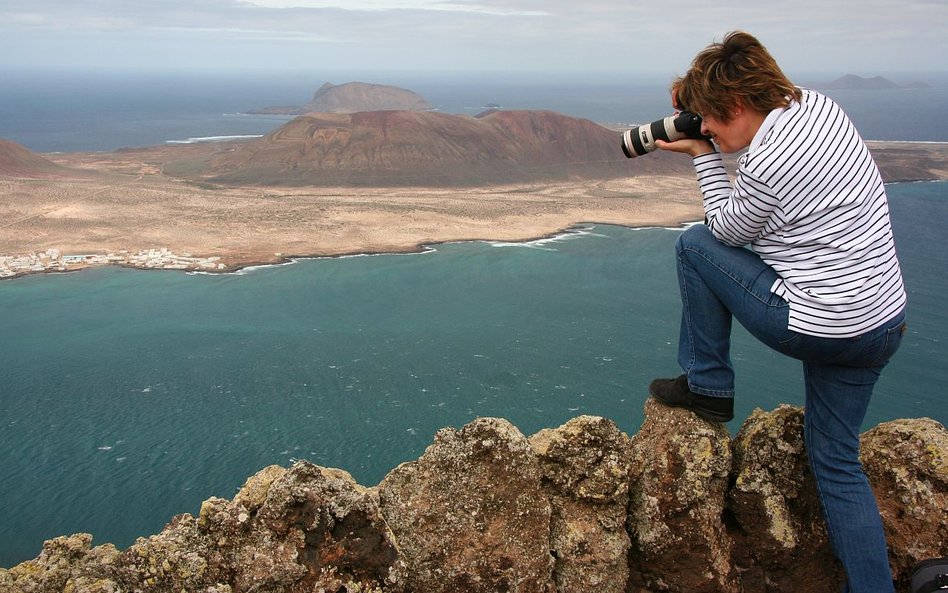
pixel 661 36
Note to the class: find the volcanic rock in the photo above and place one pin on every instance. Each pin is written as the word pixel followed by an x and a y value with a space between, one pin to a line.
pixel 585 465
pixel 780 538
pixel 470 515
pixel 906 462
pixel 680 469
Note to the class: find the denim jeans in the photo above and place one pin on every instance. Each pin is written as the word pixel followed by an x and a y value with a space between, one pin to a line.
pixel 718 283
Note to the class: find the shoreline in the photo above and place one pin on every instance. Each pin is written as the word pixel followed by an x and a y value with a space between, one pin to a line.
pixel 222 265
pixel 121 208
pixel 245 267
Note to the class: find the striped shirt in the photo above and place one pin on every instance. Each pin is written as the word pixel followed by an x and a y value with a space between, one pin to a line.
pixel 809 199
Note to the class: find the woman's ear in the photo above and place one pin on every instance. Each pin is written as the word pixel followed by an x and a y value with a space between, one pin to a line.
pixel 737 109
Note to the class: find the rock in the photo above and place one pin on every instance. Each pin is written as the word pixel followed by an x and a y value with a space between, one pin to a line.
pixel 179 558
pixel 338 527
pixel 679 481
pixel 578 508
pixel 906 462
pixel 781 537
pixel 585 466
pixel 254 491
pixel 470 515
pixel 67 563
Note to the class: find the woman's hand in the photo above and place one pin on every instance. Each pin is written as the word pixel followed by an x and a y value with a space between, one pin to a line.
pixel 691 146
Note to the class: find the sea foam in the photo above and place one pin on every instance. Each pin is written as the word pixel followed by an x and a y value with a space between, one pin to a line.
pixel 214 139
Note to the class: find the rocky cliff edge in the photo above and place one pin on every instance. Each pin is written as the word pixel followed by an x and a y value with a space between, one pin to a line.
pixel 680 506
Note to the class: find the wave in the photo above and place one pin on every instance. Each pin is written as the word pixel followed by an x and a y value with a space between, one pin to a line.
pixel 274 116
pixel 682 227
pixel 295 260
pixel 916 181
pixel 423 250
pixel 543 242
pixel 246 270
pixel 214 139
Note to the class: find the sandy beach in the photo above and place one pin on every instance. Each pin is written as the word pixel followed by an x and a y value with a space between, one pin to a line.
pixel 121 207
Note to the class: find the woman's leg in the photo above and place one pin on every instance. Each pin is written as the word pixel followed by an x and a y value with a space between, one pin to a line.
pixel 836 400
pixel 716 282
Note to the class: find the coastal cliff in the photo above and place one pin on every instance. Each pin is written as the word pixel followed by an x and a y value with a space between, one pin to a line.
pixel 680 506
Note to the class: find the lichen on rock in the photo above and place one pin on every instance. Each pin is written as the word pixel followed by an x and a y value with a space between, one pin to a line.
pixel 780 538
pixel 906 462
pixel 585 465
pixel 469 515
pixel 679 478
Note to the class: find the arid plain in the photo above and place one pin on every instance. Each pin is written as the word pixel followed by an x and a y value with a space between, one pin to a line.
pixel 123 201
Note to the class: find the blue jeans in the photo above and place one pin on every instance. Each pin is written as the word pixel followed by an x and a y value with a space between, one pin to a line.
pixel 718 283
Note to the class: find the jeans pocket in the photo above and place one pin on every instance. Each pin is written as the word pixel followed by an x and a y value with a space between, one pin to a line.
pixel 790 344
pixel 893 339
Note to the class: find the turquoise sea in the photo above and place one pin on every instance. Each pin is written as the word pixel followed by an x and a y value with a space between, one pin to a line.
pixel 131 396
pixel 127 397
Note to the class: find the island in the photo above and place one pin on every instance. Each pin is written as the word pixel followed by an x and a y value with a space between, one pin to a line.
pixel 352 97
pixel 338 184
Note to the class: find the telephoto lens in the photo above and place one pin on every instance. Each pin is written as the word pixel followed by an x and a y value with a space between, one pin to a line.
pixel 641 139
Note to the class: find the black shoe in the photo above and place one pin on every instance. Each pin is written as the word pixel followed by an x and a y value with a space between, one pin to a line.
pixel 675 393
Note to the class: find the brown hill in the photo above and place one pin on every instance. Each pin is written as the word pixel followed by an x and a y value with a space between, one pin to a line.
pixel 352 97
pixel 19 161
pixel 401 148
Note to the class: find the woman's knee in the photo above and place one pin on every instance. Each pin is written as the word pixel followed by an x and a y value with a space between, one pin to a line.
pixel 693 236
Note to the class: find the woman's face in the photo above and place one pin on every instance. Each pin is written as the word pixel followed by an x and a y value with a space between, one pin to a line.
pixel 736 133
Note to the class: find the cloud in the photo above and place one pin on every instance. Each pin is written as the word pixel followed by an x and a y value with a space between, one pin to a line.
pixel 251 34
pixel 500 9
pixel 607 35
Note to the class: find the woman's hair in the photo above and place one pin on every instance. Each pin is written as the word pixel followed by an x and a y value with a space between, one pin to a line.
pixel 738 69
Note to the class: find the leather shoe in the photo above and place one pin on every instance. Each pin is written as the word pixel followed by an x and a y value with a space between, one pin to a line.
pixel 675 393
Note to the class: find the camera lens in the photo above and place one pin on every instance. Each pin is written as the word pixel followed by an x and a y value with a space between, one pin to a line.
pixel 641 139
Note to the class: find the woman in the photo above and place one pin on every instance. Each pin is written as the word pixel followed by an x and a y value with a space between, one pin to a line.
pixel 820 281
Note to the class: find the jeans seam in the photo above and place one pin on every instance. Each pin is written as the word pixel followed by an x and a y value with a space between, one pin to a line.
pixel 808 445
pixel 687 318
pixel 711 392
pixel 688 326
pixel 727 273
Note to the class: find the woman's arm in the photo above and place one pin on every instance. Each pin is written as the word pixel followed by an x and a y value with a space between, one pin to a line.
pixel 736 213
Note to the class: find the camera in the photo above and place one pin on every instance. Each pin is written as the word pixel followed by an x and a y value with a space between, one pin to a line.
pixel 641 139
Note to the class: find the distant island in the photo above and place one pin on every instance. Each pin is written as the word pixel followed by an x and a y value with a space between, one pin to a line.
pixel 854 82
pixel 341 183
pixel 353 97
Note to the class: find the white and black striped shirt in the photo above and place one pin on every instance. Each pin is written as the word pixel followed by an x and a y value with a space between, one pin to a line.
pixel 809 199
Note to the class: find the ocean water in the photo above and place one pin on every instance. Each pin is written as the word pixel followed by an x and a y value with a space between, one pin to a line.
pixel 70 111
pixel 127 397
pixel 131 396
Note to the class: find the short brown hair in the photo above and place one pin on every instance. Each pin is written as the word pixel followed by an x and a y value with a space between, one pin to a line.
pixel 738 69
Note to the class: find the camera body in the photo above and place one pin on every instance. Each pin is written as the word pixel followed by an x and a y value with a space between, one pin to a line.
pixel 641 139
